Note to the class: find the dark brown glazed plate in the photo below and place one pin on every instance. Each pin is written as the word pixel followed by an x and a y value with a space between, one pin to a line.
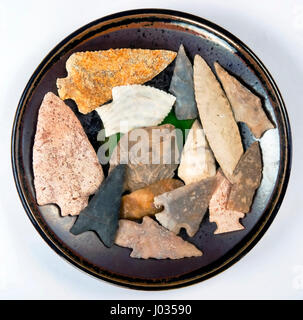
pixel 155 29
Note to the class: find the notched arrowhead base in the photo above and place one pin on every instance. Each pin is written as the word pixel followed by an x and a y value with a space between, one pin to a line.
pixel 102 213
pixel 226 220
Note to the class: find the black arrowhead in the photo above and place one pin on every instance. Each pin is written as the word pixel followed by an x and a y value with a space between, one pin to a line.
pixel 102 213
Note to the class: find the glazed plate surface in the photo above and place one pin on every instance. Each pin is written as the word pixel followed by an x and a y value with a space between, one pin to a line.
pixel 155 29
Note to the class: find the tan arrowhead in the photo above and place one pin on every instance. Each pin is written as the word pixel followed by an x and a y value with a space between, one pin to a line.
pixel 140 203
pixel 217 118
pixel 246 106
pixel 226 220
pixel 197 160
pixel 158 143
pixel 150 240
pixel 93 74
pixel 186 206
pixel 66 167
pixel 246 179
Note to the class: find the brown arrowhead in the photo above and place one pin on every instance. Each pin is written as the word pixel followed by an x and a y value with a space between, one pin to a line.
pixel 93 74
pixel 140 203
pixel 226 220
pixel 186 206
pixel 246 179
pixel 141 170
pixel 150 240
pixel 66 167
pixel 246 106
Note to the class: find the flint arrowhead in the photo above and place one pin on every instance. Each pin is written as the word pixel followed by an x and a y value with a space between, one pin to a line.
pixel 185 206
pixel 140 203
pixel 246 106
pixel 150 240
pixel 135 106
pixel 217 118
pixel 66 167
pixel 197 160
pixel 182 87
pixel 156 159
pixel 93 74
pixel 102 213
pixel 226 220
pixel 246 179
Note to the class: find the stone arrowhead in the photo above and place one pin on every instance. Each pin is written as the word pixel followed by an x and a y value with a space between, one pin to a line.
pixel 197 160
pixel 135 106
pixel 182 87
pixel 226 220
pixel 158 155
pixel 246 106
pixel 186 206
pixel 66 167
pixel 102 213
pixel 140 203
pixel 150 240
pixel 93 74
pixel 217 118
pixel 246 179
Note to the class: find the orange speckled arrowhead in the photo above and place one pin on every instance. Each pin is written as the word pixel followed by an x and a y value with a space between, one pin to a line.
pixel 93 74
pixel 150 240
pixel 226 220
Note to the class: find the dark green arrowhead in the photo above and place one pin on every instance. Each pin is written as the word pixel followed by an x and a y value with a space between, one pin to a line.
pixel 102 213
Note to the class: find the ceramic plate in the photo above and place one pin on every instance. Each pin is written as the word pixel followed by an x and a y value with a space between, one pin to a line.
pixel 155 29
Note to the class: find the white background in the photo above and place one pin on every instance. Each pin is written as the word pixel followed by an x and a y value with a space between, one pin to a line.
pixel 29 269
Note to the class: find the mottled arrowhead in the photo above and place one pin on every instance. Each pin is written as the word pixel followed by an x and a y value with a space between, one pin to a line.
pixel 135 106
pixel 66 167
pixel 151 154
pixel 246 106
pixel 93 74
pixel 217 118
pixel 197 160
pixel 246 179
pixel 102 213
pixel 140 203
pixel 186 206
pixel 150 240
pixel 182 87
pixel 226 220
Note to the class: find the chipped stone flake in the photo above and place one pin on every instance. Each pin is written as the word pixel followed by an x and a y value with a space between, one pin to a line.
pixel 65 165
pixel 150 240
pixel 185 207
pixel 197 160
pixel 135 106
pixel 93 74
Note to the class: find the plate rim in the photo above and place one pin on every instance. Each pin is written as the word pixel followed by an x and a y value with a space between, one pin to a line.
pixel 244 248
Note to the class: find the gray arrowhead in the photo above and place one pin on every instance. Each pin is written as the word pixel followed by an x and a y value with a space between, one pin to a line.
pixel 182 87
